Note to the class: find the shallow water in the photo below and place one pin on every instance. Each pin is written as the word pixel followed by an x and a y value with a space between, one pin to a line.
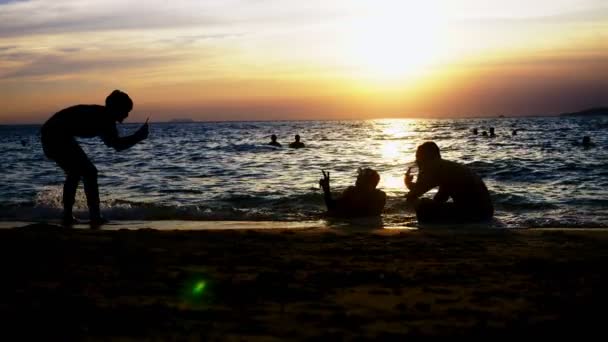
pixel 224 170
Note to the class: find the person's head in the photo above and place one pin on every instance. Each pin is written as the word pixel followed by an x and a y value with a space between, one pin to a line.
pixel 273 138
pixel 297 138
pixel 586 140
pixel 367 179
pixel 119 105
pixel 484 133
pixel 427 153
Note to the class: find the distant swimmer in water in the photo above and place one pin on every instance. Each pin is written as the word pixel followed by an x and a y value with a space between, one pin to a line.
pixel 360 200
pixel 86 121
pixel 514 132
pixel 273 141
pixel 471 200
pixel 492 135
pixel 297 143
pixel 587 142
pixel 475 131
pixel 484 134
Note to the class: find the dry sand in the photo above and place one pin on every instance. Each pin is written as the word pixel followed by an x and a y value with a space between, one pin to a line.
pixel 301 284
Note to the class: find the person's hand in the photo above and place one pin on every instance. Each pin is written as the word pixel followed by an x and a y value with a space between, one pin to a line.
pixel 143 131
pixel 409 178
pixel 324 182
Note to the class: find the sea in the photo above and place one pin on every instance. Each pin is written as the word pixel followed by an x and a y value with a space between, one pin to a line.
pixel 225 171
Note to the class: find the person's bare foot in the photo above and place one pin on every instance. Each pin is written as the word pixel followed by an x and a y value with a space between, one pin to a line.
pixel 98 221
pixel 69 221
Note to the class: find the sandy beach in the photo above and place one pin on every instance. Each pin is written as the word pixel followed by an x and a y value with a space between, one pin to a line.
pixel 305 284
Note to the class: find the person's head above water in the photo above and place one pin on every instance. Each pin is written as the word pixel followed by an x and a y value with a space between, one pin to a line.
pixel 119 105
pixel 586 140
pixel 367 178
pixel 297 137
pixel 426 153
pixel 273 138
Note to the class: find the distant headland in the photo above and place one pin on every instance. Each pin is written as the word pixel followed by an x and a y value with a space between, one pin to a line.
pixel 589 112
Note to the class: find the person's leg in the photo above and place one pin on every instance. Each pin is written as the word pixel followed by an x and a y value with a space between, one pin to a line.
pixel 430 211
pixel 91 190
pixel 69 193
pixel 76 164
pixel 63 152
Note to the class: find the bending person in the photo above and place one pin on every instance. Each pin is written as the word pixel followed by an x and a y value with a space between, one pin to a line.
pixel 360 200
pixel 471 200
pixel 86 121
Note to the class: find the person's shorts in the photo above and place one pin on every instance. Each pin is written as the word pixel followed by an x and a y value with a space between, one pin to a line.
pixel 66 152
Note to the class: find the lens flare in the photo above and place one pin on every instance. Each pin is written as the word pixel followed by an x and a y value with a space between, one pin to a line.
pixel 199 288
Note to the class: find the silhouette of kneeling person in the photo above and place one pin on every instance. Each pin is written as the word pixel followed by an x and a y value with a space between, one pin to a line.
pixel 86 121
pixel 297 143
pixel 471 199
pixel 360 200
pixel 273 141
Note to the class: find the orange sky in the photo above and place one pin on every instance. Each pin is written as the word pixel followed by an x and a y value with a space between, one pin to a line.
pixel 277 59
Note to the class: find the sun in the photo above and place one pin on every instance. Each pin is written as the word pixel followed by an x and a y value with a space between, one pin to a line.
pixel 395 40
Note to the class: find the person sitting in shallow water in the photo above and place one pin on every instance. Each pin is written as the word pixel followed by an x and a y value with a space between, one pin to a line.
pixel 273 141
pixel 297 143
pixel 360 200
pixel 492 134
pixel 471 200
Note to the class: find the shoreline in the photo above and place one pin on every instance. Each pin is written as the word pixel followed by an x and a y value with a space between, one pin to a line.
pixel 306 284
pixel 332 225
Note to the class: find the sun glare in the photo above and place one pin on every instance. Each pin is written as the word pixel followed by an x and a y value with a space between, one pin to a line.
pixel 396 40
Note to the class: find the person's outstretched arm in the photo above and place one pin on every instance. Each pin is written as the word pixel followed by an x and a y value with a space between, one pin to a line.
pixel 118 143
pixel 324 183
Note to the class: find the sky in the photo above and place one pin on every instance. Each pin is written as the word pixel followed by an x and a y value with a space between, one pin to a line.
pixel 283 59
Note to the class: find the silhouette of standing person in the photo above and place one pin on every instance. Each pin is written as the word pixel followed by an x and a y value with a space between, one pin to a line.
pixel 471 199
pixel 273 141
pixel 297 143
pixel 86 121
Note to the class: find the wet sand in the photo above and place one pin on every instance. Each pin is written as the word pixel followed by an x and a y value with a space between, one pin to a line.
pixel 305 284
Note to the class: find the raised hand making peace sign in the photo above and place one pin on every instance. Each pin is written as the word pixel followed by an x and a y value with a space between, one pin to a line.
pixel 324 182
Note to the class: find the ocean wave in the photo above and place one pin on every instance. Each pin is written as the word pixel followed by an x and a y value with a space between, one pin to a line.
pixel 513 202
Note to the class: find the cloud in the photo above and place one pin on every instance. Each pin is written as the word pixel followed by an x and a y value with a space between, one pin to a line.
pixel 61 16
pixel 35 17
pixel 65 65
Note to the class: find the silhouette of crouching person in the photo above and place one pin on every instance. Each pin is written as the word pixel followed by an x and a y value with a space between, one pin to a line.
pixel 360 200
pixel 86 121
pixel 471 200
